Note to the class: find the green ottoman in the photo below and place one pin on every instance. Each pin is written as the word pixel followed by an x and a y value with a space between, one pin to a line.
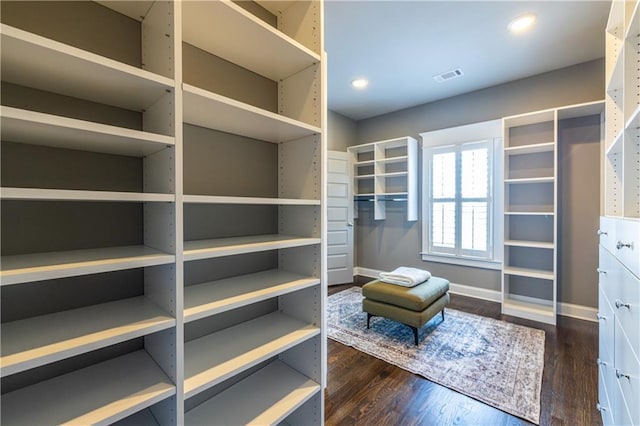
pixel 412 306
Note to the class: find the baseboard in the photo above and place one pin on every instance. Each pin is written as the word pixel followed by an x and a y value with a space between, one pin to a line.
pixel 570 310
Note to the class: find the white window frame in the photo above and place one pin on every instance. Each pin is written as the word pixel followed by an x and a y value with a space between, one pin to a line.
pixel 490 131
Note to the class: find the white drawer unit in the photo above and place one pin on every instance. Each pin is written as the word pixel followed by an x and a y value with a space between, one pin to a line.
pixel 619 319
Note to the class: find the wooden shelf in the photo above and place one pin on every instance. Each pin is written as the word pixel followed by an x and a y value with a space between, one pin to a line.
pixel 530 180
pixel 36 128
pixel 265 397
pixel 393 160
pixel 206 249
pixel 213 111
pixel 530 244
pixel 100 394
pixel 215 199
pixel 530 149
pixel 46 266
pixel 529 310
pixel 42 194
pixel 212 359
pixel 243 39
pixel 33 342
pixel 528 272
pixel 77 73
pixel 206 299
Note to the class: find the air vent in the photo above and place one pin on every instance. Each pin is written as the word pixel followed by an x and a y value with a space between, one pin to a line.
pixel 448 75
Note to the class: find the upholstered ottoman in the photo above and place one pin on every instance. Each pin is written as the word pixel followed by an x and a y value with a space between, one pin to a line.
pixel 412 306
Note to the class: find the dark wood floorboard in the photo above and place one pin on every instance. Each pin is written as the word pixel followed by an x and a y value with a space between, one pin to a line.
pixel 363 390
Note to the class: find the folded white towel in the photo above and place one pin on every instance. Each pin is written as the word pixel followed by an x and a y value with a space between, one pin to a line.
pixel 405 276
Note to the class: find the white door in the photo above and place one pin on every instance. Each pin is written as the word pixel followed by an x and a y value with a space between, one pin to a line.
pixel 339 219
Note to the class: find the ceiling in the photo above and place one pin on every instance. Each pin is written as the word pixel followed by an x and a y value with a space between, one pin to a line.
pixel 399 45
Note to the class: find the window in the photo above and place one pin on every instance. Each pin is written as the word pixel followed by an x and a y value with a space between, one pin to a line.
pixel 459 202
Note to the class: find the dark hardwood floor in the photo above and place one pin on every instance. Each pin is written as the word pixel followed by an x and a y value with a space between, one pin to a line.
pixel 363 390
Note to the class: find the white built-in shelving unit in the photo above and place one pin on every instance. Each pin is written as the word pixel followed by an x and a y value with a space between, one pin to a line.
pixel 619 233
pixel 130 294
pixel 386 171
pixel 531 212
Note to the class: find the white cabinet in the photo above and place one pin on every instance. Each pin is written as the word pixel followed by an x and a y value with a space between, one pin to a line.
pixel 163 219
pixel 386 172
pixel 530 182
pixel 619 270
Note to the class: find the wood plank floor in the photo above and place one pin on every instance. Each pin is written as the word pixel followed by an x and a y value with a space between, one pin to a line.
pixel 363 390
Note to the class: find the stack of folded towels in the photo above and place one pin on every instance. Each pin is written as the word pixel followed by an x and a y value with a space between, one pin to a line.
pixel 405 276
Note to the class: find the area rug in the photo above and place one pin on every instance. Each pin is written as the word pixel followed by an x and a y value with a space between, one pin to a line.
pixel 495 362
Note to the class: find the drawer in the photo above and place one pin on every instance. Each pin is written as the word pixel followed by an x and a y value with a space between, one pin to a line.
pixel 608 269
pixel 606 323
pixel 605 385
pixel 607 233
pixel 619 410
pixel 627 244
pixel 627 371
pixel 626 306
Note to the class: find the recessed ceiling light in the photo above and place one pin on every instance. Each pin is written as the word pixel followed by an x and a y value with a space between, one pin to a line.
pixel 522 23
pixel 360 83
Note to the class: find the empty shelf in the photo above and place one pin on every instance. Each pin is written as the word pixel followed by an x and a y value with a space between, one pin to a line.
pixel 392 160
pixel 45 339
pixel 528 272
pixel 206 249
pixel 243 39
pixel 45 266
pixel 393 174
pixel 43 194
pixel 214 199
pixel 37 128
pixel 508 213
pixel 530 149
pixel 214 358
pixel 364 176
pixel 74 72
pixel 266 397
pixel 213 297
pixel 533 311
pixel 141 418
pixel 100 394
pixel 548 179
pixel 532 244
pixel 214 111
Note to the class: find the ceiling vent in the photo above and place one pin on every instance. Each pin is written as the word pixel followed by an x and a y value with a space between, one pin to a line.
pixel 448 75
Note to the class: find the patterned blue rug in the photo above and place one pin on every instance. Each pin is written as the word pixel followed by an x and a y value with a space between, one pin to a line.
pixel 495 362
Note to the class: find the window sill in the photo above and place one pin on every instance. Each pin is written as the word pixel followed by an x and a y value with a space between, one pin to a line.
pixel 462 261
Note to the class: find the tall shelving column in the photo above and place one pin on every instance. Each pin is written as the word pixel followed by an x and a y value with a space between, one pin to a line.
pixel 254 275
pixel 93 336
pixel 529 279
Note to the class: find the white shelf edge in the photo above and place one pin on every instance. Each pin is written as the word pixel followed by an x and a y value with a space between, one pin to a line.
pixel 216 199
pixel 23 268
pixel 44 194
pixel 531 244
pixel 99 394
pixel 255 56
pixel 49 338
pixel 211 110
pixel 391 160
pixel 37 128
pixel 634 119
pixel 616 145
pixel 364 163
pixel 392 174
pixel 634 24
pixel 530 149
pixel 206 249
pixel 76 72
pixel 210 298
pixel 548 179
pixel 531 311
pixel 211 359
pixel 267 396
pixel 528 272
pixel 510 213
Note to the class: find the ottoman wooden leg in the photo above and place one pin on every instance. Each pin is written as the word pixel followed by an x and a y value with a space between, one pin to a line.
pixel 442 312
pixel 415 335
pixel 368 318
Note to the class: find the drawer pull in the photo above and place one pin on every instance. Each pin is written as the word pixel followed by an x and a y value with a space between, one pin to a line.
pixel 619 374
pixel 600 232
pixel 601 362
pixel 600 407
pixel 601 317
pixel 620 245
pixel 601 271
pixel 619 304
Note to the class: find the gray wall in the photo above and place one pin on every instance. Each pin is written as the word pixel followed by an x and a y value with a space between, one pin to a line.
pixel 393 242
pixel 341 131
